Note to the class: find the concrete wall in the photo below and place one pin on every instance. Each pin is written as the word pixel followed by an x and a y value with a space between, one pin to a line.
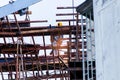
pixel 107 39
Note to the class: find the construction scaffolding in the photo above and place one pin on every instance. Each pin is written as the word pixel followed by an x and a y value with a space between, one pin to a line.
pixel 89 71
pixel 64 52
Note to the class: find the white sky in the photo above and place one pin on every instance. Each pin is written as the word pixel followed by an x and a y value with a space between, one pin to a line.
pixel 46 9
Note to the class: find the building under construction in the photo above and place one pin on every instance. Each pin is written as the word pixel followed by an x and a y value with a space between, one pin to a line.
pixel 62 52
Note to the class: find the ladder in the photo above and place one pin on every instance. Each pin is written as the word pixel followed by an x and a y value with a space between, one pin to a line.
pixel 89 62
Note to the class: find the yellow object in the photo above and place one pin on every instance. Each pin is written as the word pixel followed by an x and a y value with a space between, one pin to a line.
pixel 60 24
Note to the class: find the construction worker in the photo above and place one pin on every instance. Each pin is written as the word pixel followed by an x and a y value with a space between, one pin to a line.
pixel 60 24
pixel 56 40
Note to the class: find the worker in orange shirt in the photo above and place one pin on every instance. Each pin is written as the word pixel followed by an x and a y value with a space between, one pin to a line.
pixel 56 41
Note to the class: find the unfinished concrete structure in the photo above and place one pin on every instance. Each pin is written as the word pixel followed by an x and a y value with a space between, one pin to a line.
pixel 106 13
pixel 69 54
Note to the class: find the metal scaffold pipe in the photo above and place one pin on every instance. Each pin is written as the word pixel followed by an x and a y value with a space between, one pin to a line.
pixel 73 9
pixel 19 63
pixel 77 40
pixel 83 57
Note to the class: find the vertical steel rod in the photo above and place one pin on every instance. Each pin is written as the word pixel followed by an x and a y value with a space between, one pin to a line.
pixel 77 31
pixel 83 55
pixel 1 73
pixel 47 71
pixel 91 46
pixel 21 62
pixel 53 55
pixel 73 10
pixel 88 77
pixel 69 43
pixel 36 55
pixel 17 62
